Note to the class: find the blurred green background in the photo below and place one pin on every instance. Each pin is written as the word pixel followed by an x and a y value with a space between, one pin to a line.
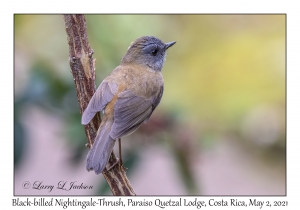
pixel 220 128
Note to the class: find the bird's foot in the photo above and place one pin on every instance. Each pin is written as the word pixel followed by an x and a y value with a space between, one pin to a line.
pixel 123 167
pixel 113 165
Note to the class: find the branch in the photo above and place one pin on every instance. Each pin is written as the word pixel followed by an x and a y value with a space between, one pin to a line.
pixel 82 66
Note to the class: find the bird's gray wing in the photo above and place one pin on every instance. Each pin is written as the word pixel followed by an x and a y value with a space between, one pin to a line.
pixel 130 111
pixel 98 102
pixel 156 101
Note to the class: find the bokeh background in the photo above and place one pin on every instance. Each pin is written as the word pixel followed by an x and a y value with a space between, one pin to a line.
pixel 220 128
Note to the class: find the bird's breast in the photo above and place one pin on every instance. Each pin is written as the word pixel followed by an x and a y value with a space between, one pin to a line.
pixel 141 80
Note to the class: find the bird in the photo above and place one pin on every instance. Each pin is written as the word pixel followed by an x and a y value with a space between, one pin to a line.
pixel 126 97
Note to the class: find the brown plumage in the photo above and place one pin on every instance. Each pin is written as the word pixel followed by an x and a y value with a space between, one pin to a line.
pixel 128 96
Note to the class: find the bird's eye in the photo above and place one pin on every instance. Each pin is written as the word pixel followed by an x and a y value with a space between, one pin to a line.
pixel 154 52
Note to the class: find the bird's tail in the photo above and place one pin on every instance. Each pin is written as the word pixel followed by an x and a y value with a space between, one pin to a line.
pixel 101 149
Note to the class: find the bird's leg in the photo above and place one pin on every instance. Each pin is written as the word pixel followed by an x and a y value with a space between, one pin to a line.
pixel 118 160
pixel 120 151
pixel 120 154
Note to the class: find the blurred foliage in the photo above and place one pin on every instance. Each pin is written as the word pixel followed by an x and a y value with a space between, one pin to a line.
pixel 225 76
pixel 19 141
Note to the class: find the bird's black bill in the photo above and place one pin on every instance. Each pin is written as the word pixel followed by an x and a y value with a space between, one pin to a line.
pixel 169 44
